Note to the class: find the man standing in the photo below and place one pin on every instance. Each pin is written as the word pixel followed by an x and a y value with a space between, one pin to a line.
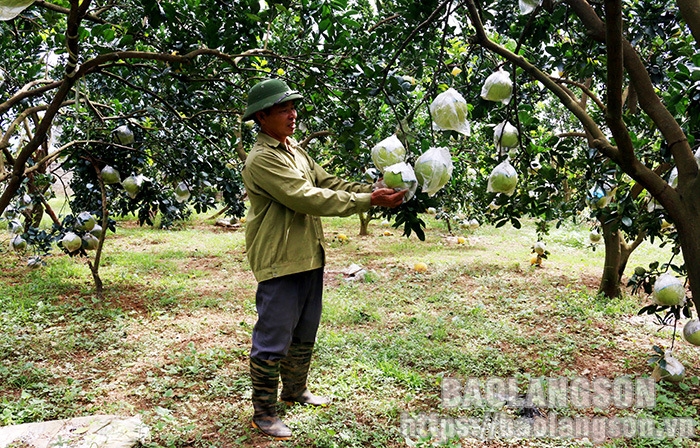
pixel 288 193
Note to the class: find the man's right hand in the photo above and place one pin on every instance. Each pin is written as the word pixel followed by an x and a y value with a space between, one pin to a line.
pixel 387 197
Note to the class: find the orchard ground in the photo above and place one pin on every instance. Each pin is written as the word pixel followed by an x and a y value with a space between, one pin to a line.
pixel 170 341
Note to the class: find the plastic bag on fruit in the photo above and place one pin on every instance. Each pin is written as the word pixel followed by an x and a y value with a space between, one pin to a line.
pixel 9 9
pixel 388 152
pixel 182 192
pixel 401 176
pixel 498 87
pixel 668 290
pixel 433 169
pixel 449 112
pixel 503 179
pixel 505 135
pixel 527 6
pixel 599 197
pixel 110 175
pixel 133 184
pixel 673 177
pixel 673 370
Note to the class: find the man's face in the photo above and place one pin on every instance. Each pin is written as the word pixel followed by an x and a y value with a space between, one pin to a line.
pixel 280 121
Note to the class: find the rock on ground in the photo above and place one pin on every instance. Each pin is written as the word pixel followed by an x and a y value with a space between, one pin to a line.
pixel 97 431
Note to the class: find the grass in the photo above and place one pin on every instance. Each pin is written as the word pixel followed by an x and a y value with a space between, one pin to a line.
pixel 170 340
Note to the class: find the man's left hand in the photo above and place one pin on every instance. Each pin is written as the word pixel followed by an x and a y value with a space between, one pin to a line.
pixel 388 197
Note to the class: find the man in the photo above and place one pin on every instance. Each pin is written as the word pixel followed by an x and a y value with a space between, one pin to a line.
pixel 288 194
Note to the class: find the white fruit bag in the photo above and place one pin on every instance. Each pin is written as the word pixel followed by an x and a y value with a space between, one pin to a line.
pixel 527 6
pixel 9 9
pixel 503 179
pixel 498 87
pixel 388 152
pixel 673 177
pixel 599 197
pixel 668 290
pixel 505 135
pixel 110 175
pixel 449 112
pixel 673 371
pixel 433 170
pixel 401 176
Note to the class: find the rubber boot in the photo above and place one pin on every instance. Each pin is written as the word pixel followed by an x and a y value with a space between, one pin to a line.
pixel 265 377
pixel 294 370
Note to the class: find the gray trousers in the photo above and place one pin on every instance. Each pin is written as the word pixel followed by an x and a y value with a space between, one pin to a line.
pixel 289 309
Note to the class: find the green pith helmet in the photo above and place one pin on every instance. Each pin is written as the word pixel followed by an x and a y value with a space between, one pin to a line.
pixel 267 93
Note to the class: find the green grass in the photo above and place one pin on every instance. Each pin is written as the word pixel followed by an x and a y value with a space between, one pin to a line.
pixel 170 340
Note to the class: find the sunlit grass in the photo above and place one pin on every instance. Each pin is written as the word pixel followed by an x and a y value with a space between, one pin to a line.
pixel 170 339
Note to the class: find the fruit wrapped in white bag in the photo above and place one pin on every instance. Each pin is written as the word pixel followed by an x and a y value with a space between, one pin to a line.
pixel 449 112
pixel 388 152
pixel 668 290
pixel 401 176
pixel 503 179
pixel 433 170
pixel 599 197
pixel 505 135
pixel 498 87
pixel 672 371
pixel 527 6
pixel 9 9
pixel 110 175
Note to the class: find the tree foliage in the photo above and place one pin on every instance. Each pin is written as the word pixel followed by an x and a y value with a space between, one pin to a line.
pixel 594 103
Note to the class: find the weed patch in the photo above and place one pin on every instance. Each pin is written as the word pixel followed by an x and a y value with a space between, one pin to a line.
pixel 170 340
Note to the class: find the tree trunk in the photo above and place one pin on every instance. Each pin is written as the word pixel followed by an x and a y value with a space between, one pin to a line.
pixel 95 267
pixel 365 218
pixel 95 270
pixel 626 250
pixel 689 236
pixel 617 254
pixel 610 280
pixel 690 11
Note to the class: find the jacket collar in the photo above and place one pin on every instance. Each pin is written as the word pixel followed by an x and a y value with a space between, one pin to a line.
pixel 274 143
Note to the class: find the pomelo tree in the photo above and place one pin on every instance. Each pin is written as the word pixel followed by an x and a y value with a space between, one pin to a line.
pixel 88 86
pixel 558 57
pixel 177 76
pixel 656 99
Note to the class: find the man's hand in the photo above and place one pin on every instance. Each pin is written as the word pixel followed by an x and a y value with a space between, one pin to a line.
pixel 387 197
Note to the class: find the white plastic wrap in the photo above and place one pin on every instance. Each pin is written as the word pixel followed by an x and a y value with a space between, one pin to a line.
pixel 498 87
pixel 505 135
pixel 673 177
pixel 110 175
pixel 527 6
pixel 503 179
pixel 401 176
pixel 449 112
pixel 598 197
pixel 668 290
pixel 9 9
pixel 433 170
pixel 388 152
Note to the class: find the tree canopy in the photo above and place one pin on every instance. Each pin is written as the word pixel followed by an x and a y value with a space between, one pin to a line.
pixel 598 111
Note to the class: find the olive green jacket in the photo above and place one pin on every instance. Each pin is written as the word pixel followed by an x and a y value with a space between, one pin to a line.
pixel 288 194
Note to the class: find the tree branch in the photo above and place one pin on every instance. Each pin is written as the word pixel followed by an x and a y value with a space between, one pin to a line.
pixel 690 11
pixel 382 22
pixel 25 92
pixel 97 62
pixel 652 105
pixel 66 11
pixel 599 139
pixel 408 40
pixel 42 129
pixel 613 115
pixel 304 143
